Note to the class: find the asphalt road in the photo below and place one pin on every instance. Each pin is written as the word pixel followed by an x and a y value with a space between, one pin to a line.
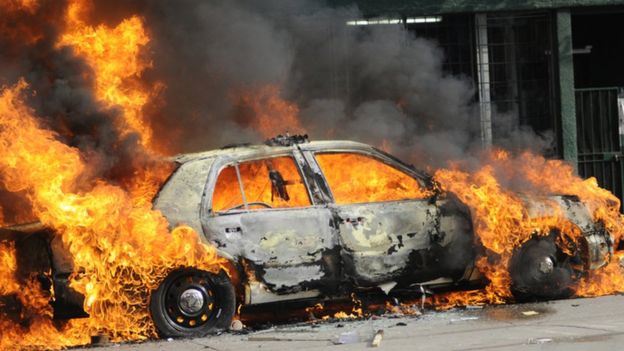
pixel 579 324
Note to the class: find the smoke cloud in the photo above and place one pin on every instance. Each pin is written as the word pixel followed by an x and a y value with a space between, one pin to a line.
pixel 377 84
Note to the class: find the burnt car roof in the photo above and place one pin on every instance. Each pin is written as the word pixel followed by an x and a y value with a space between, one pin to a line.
pixel 245 151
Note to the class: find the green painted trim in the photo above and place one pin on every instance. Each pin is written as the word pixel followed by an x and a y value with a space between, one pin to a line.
pixel 566 87
pixel 430 7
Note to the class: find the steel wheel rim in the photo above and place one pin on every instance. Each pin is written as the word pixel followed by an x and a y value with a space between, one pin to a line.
pixel 189 301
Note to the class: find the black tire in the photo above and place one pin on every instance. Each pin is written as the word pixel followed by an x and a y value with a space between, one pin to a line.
pixel 209 309
pixel 540 270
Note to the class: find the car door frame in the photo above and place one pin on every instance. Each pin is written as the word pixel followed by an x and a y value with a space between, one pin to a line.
pixel 390 263
pixel 281 266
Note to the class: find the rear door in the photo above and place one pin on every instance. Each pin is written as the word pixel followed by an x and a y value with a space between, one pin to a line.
pixel 386 221
pixel 261 211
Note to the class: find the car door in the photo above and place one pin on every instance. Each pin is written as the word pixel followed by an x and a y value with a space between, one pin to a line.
pixel 387 223
pixel 261 210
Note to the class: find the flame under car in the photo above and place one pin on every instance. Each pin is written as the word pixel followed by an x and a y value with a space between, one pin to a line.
pixel 299 220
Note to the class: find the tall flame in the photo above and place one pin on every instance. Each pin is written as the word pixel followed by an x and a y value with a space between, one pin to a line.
pixel 114 54
pixel 121 250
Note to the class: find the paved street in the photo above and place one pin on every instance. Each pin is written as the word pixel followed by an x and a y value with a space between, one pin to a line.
pixel 579 324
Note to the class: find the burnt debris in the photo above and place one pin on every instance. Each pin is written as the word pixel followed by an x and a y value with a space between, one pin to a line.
pixel 287 140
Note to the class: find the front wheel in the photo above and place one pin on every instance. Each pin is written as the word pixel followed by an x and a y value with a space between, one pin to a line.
pixel 539 269
pixel 193 303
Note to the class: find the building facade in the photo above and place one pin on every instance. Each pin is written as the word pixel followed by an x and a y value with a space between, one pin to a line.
pixel 555 65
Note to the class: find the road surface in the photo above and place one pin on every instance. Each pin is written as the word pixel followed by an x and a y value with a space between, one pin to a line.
pixel 578 324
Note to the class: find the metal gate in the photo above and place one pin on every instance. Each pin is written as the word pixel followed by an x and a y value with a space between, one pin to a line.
pixel 599 142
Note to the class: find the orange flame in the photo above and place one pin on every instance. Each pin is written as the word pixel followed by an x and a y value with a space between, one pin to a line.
pixel 19 5
pixel 8 267
pixel 257 185
pixel 114 54
pixel 319 310
pixel 380 181
pixel 121 250
pixel 502 222
pixel 14 29
pixel 271 115
pixel 34 310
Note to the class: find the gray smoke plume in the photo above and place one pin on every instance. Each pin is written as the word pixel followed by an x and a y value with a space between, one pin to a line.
pixel 377 84
pixel 380 84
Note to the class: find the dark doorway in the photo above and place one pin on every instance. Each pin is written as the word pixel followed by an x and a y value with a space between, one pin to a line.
pixel 598 50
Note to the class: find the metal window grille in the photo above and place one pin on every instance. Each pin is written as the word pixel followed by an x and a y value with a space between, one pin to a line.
pixel 520 67
pixel 599 132
pixel 453 33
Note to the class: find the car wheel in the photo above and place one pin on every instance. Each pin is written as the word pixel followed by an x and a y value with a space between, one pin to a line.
pixel 539 269
pixel 192 303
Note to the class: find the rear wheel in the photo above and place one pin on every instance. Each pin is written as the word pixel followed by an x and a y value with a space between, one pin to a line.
pixel 191 303
pixel 539 269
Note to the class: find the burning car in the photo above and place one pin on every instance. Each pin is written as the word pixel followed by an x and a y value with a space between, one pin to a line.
pixel 301 220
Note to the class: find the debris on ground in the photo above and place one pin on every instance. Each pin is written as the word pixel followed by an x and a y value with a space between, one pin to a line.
pixel 463 319
pixel 529 313
pixel 377 338
pixel 237 325
pixel 274 338
pixel 539 340
pixel 351 337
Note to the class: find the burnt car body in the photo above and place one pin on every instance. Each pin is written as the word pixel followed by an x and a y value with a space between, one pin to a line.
pixel 296 222
pixel 338 236
pixel 305 249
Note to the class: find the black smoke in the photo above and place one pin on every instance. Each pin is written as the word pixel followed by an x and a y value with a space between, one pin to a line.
pixel 373 84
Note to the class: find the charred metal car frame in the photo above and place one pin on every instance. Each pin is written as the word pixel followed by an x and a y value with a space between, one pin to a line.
pixel 325 248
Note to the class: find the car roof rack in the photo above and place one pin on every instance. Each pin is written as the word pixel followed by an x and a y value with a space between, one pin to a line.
pixel 287 140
